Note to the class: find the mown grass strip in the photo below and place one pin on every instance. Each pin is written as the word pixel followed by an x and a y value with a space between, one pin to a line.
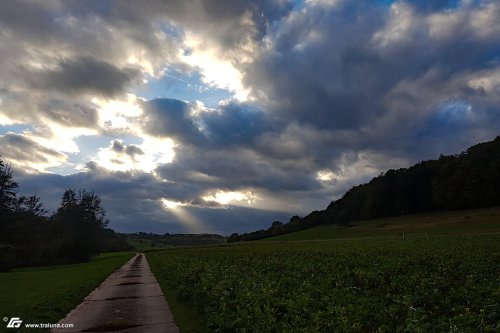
pixel 47 294
pixel 186 317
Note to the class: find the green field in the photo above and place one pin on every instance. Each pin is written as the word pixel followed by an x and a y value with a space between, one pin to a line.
pixel 476 221
pixel 47 294
pixel 385 284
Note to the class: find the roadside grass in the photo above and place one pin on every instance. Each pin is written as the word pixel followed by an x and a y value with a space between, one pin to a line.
pixel 46 294
pixel 378 284
pixel 486 220
pixel 186 317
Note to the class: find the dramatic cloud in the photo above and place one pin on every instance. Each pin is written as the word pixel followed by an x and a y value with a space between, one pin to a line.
pixel 84 75
pixel 170 117
pixel 224 116
pixel 28 155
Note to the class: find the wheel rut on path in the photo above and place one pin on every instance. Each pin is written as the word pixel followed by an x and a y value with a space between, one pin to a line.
pixel 130 300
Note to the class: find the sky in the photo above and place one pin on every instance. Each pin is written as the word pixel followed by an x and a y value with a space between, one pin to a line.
pixel 223 116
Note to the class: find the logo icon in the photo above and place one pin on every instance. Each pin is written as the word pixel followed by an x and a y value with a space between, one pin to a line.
pixel 14 322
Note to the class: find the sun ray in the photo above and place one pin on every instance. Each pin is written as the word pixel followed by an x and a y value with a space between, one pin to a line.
pixel 188 220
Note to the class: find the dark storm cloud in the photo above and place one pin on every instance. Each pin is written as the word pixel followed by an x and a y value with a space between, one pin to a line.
pixel 312 72
pixel 27 18
pixel 170 117
pixel 235 124
pixel 24 151
pixel 132 203
pixel 69 112
pixel 119 147
pixel 123 195
pixel 349 88
pixel 54 62
pixel 84 75
pixel 218 20
pixel 238 145
pixel 233 168
pixel 133 150
pixel 341 68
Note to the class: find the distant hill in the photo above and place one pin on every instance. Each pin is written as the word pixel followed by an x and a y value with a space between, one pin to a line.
pixel 142 241
pixel 467 180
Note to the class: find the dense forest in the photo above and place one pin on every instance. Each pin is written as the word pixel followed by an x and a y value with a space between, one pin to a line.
pixel 76 232
pixel 463 181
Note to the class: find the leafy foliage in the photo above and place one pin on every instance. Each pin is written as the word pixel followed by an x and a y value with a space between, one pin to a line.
pixel 424 284
pixel 8 189
pixel 30 205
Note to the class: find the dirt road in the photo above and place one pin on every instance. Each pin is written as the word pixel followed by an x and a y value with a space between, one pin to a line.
pixel 129 300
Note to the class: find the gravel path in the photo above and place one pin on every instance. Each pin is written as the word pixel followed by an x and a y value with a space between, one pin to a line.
pixel 129 300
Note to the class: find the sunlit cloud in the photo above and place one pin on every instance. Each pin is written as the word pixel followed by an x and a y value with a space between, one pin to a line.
pixel 4 120
pixel 119 114
pixel 145 157
pixel 216 71
pixel 326 175
pixel 58 137
pixel 235 198
pixel 169 204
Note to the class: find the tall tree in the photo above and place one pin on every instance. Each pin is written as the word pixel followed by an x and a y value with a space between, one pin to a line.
pixel 92 208
pixel 8 189
pixel 68 203
pixel 84 220
pixel 30 205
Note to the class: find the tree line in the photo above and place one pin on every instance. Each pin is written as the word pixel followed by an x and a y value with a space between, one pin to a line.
pixel 467 180
pixel 169 239
pixel 76 232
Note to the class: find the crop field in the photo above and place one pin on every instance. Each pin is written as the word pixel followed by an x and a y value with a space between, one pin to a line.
pixel 477 221
pixel 387 284
pixel 47 294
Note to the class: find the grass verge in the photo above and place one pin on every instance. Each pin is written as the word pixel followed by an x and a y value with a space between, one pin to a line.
pixel 47 294
pixel 186 317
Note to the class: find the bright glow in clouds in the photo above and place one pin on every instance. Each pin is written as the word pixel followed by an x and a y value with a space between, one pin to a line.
pixel 263 200
pixel 170 204
pixel 146 157
pixel 117 114
pixel 5 120
pixel 58 137
pixel 215 71
pixel 188 220
pixel 326 175
pixel 231 197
